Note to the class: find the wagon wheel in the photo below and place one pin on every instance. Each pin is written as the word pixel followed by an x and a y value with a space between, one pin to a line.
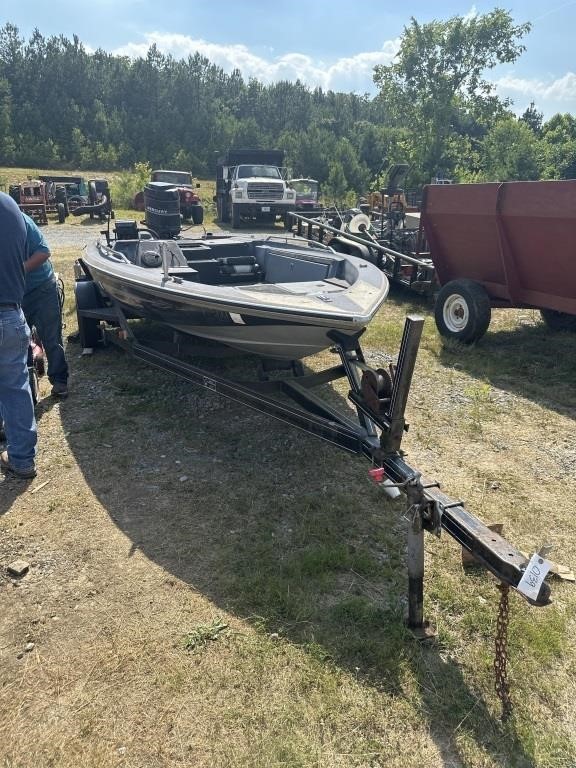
pixel 462 311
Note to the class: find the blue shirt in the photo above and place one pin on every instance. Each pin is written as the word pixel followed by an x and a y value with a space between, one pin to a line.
pixel 35 242
pixel 12 251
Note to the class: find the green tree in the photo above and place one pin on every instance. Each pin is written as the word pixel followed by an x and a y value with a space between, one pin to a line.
pixel 512 152
pixel 438 73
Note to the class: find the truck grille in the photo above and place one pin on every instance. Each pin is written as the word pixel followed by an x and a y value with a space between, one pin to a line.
pixel 263 191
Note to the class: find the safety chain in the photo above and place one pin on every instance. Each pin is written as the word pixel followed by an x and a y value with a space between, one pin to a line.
pixel 501 684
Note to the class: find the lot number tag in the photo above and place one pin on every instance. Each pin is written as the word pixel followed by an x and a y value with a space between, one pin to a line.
pixel 534 575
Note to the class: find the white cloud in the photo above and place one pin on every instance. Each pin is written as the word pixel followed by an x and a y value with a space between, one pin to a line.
pixel 352 73
pixel 561 89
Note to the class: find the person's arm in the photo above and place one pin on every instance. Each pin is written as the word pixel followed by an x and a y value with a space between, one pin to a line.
pixel 36 260
pixel 37 251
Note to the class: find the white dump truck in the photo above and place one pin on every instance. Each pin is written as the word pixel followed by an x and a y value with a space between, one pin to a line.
pixel 251 186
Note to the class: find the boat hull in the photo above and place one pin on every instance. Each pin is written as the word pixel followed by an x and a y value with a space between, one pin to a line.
pixel 285 320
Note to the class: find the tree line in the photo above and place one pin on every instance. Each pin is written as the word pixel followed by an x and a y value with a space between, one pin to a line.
pixel 64 107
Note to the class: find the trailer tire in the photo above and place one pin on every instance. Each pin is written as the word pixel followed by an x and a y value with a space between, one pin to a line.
pixel 558 321
pixel 235 216
pixel 462 311
pixel 87 296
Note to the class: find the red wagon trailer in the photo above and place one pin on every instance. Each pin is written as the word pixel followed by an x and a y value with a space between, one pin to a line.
pixel 510 244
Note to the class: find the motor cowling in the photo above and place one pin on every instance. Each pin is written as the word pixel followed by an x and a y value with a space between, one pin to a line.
pixel 162 209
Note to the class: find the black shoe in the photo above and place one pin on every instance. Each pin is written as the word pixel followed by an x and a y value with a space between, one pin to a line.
pixel 27 473
pixel 60 389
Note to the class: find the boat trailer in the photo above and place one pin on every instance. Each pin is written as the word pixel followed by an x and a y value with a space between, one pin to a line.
pixel 379 397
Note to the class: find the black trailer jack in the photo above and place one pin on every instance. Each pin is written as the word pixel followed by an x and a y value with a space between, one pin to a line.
pixel 379 397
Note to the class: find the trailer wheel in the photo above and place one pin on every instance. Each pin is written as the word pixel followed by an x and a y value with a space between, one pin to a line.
pixel 462 311
pixel 235 216
pixel 87 296
pixel 61 213
pixel 558 321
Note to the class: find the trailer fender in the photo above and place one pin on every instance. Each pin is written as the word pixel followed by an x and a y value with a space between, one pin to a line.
pixel 462 311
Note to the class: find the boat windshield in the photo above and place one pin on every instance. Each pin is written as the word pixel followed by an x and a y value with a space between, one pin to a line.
pixel 263 171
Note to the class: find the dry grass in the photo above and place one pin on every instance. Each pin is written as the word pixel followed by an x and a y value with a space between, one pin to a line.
pixel 282 539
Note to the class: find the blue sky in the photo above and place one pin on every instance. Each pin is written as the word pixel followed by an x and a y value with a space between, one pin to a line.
pixel 331 43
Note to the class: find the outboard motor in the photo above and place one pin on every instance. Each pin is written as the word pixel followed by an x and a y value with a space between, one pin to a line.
pixel 162 209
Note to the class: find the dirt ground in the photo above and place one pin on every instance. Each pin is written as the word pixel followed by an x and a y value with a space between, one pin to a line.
pixel 155 509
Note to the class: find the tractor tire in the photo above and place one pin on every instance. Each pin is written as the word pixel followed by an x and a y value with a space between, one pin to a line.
pixel 87 297
pixel 235 216
pixel 558 321
pixel 61 213
pixel 462 311
pixel 197 214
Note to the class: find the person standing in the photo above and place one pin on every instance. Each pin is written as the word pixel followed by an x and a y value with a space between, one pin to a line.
pixel 16 406
pixel 41 305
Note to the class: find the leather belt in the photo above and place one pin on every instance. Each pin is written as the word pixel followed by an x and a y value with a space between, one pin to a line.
pixel 9 305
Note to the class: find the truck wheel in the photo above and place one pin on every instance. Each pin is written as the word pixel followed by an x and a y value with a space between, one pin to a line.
pixel 235 216
pixel 222 210
pixel 558 321
pixel 87 297
pixel 61 213
pixel 197 214
pixel 288 221
pixel 462 311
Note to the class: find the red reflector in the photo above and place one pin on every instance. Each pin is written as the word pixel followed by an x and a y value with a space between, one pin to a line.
pixel 377 474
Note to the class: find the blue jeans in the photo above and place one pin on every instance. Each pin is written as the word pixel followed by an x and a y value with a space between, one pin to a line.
pixel 42 309
pixel 16 407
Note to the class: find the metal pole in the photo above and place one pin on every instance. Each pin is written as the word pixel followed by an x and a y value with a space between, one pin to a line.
pixel 416 573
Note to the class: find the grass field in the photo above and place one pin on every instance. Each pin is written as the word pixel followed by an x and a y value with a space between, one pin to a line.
pixel 212 588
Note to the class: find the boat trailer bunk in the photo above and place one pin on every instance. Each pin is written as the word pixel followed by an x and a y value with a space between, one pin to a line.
pixel 412 270
pixel 379 398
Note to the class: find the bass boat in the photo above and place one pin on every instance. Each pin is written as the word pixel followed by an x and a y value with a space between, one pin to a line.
pixel 278 297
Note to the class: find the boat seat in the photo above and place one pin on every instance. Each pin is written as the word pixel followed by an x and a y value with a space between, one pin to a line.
pixel 128 248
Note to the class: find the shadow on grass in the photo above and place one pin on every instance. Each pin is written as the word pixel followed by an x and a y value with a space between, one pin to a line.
pixel 271 525
pixel 529 361
pixel 11 487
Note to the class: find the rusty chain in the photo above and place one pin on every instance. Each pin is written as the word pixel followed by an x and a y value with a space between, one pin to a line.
pixel 501 684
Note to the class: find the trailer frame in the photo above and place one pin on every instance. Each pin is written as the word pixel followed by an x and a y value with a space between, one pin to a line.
pixel 376 433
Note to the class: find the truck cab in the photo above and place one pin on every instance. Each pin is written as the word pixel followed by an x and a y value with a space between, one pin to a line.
pixel 251 186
